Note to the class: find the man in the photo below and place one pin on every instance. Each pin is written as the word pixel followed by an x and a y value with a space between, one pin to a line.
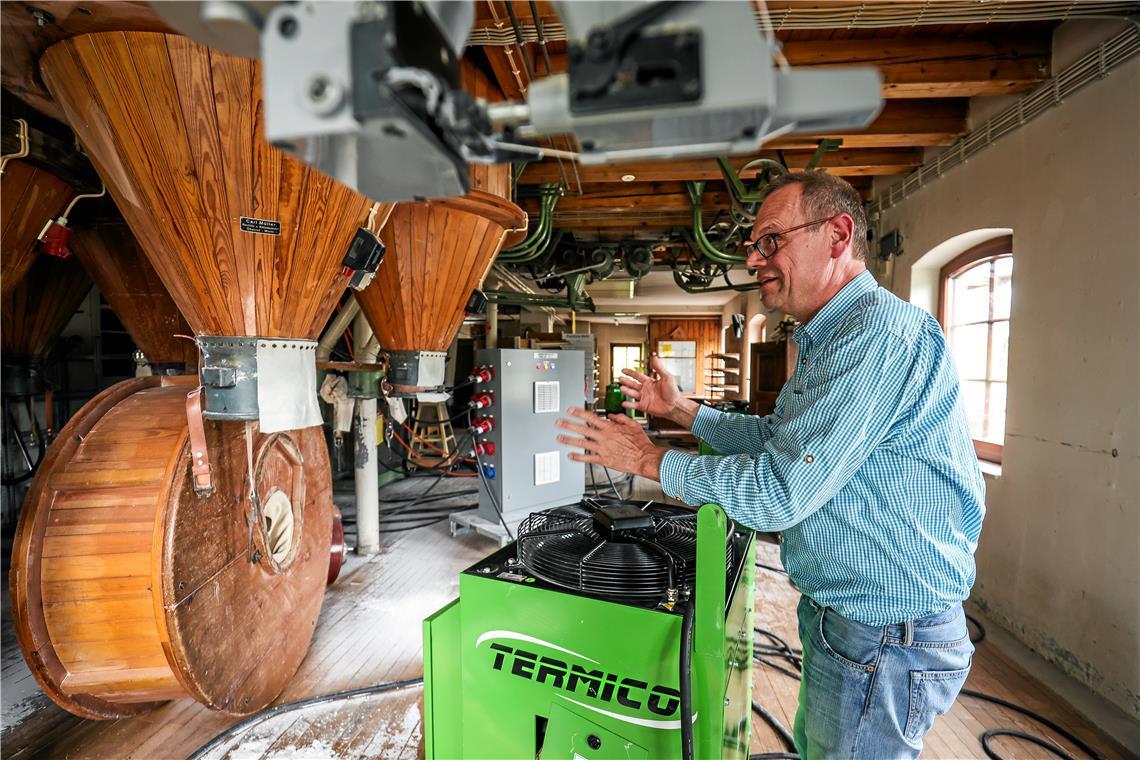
pixel 866 467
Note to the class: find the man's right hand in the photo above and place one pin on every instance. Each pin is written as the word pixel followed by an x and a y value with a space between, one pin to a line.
pixel 658 396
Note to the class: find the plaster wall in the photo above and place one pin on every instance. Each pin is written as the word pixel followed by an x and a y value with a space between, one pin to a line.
pixel 1059 557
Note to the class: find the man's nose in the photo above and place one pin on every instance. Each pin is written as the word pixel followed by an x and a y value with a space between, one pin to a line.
pixel 754 260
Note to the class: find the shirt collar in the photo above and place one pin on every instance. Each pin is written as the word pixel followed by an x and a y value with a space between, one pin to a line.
pixel 821 325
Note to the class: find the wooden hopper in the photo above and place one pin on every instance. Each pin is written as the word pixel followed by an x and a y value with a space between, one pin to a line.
pixel 29 197
pixel 247 239
pixel 438 251
pixel 34 314
pixel 128 587
pixel 112 256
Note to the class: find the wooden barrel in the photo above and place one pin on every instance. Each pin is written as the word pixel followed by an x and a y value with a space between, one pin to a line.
pixel 29 197
pixel 110 253
pixel 128 589
pixel 438 251
pixel 247 240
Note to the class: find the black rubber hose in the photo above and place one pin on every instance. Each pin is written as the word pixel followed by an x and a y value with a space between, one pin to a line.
pixel 1019 735
pixel 270 712
pixel 777 726
pixel 687 681
pixel 1029 714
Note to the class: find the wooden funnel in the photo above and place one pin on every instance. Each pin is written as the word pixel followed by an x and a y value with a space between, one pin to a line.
pixel 29 197
pixel 128 589
pixel 438 252
pixel 38 309
pixel 247 240
pixel 111 255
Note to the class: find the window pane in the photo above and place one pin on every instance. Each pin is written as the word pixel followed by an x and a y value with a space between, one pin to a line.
pixel 624 357
pixel 969 346
pixel 971 295
pixel 995 430
pixel 1003 286
pixel 974 400
pixel 1000 348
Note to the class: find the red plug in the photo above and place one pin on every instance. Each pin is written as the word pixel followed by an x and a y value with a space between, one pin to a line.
pixel 482 425
pixel 54 238
pixel 481 400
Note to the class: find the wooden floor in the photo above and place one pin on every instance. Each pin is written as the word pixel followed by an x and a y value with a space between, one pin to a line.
pixel 369 632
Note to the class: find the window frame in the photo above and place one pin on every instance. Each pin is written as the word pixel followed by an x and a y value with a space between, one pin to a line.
pixel 979 254
pixel 613 366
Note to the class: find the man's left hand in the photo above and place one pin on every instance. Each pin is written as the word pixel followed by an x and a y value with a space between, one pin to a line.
pixel 618 443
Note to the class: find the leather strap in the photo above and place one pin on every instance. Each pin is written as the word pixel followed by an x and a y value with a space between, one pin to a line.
pixel 203 477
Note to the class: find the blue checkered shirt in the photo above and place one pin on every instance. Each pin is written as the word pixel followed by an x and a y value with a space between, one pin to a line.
pixel 866 466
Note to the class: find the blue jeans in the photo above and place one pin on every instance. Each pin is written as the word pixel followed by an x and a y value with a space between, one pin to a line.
pixel 874 691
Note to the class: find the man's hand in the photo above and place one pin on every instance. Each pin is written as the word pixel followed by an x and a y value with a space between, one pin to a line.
pixel 659 396
pixel 618 443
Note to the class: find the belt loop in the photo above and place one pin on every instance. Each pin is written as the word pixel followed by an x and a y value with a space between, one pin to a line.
pixel 908 633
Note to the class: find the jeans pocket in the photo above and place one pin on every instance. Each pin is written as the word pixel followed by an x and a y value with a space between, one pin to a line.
pixel 932 693
pixel 855 645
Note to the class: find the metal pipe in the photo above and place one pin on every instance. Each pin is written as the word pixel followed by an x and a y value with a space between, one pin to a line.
pixel 492 325
pixel 336 328
pixel 367 476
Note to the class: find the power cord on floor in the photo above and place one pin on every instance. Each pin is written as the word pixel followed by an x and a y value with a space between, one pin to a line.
pixel 779 648
pixel 274 710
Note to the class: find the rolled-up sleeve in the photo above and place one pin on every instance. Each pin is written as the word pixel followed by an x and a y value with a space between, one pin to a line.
pixel 837 414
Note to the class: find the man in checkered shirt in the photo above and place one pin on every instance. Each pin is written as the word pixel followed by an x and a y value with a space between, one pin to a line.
pixel 866 468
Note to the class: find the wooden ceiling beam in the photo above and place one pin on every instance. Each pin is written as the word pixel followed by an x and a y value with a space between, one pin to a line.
pixel 924 67
pixel 902 123
pixel 845 163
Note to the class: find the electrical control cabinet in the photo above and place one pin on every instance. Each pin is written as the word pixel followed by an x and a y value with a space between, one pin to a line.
pixel 527 469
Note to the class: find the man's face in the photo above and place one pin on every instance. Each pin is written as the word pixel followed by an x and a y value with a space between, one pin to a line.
pixel 794 279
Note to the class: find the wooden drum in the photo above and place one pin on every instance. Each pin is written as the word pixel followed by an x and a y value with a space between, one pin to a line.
pixel 128 589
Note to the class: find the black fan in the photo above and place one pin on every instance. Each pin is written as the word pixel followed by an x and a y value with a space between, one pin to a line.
pixel 627 551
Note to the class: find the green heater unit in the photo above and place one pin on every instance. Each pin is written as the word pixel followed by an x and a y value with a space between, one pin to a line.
pixel 598 634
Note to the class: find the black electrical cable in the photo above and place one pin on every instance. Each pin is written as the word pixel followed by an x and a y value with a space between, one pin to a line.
pixel 772 568
pixel 606 470
pixel 776 725
pixel 274 710
pixel 1019 735
pixel 483 475
pixel 687 681
pixel 977 624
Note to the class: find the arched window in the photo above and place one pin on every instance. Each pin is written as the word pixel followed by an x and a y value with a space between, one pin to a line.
pixel 975 296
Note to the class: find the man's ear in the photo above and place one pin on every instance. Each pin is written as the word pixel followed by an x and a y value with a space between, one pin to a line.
pixel 842 231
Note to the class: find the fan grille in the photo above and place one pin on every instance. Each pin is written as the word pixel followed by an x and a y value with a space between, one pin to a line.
pixel 562 546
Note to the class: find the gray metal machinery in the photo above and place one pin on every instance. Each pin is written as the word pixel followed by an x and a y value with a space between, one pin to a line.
pixel 513 416
pixel 369 92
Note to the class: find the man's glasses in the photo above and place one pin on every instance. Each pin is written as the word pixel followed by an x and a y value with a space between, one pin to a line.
pixel 769 245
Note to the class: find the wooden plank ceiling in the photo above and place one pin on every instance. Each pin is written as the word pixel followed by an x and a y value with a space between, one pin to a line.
pixel 929 73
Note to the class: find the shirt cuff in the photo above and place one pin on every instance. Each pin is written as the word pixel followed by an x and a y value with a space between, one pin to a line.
pixel 673 467
pixel 705 421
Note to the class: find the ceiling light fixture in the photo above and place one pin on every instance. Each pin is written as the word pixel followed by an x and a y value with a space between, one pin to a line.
pixel 628 177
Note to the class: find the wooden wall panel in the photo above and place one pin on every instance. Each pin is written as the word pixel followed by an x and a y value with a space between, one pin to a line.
pixel 705 331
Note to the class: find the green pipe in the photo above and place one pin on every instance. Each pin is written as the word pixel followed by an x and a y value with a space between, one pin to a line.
pixel 537 242
pixel 690 288
pixel 697 239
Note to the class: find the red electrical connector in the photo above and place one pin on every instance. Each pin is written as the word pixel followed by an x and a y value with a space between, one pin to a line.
pixel 483 449
pixel 482 374
pixel 482 425
pixel 54 238
pixel 481 400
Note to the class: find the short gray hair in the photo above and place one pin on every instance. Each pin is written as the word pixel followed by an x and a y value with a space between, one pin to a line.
pixel 825 195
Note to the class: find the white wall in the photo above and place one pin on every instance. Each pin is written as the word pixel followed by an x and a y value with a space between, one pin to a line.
pixel 1059 558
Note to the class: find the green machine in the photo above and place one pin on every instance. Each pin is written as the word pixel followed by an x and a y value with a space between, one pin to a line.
pixel 593 636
